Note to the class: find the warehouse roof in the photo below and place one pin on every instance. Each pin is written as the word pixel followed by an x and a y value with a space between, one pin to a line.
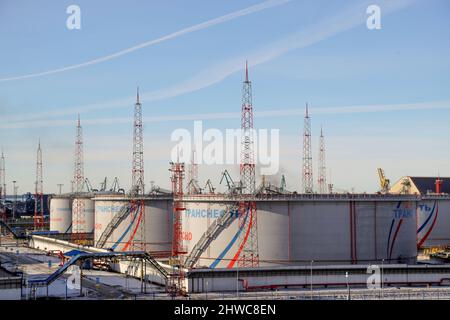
pixel 428 184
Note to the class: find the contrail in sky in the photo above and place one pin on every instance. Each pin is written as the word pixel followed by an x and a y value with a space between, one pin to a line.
pixel 204 25
pixel 274 113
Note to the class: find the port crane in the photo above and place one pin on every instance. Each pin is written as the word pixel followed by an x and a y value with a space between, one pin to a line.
pixel 384 182
pixel 232 187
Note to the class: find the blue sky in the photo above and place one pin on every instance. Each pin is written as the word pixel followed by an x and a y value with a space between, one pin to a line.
pixel 319 52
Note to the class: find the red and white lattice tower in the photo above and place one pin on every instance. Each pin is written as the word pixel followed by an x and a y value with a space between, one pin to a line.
pixel 2 187
pixel 78 178
pixel 39 192
pixel 307 169
pixel 138 241
pixel 177 170
pixel 322 180
pixel 248 253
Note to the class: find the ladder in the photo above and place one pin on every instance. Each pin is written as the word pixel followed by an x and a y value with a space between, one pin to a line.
pixel 214 230
pixel 113 224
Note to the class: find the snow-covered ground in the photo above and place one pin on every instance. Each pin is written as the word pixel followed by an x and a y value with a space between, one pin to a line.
pixel 35 264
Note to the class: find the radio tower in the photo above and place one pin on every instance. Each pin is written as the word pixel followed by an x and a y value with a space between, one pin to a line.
pixel 137 184
pixel 39 194
pixel 78 178
pixel 248 253
pixel 307 173
pixel 322 181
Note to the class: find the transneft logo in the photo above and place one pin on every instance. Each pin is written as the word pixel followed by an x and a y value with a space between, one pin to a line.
pixel 400 213
pixel 210 213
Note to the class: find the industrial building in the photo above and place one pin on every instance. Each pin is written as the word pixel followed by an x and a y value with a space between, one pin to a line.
pixel 247 227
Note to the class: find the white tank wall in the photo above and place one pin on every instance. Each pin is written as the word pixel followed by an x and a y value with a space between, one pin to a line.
pixel 61 215
pixel 297 232
pixel 158 224
pixel 433 223
pixel 85 225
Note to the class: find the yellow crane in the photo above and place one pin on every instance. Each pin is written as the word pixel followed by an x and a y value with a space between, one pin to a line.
pixel 384 182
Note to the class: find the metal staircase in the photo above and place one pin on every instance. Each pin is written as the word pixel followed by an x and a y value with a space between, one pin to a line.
pixel 134 255
pixel 113 224
pixel 214 230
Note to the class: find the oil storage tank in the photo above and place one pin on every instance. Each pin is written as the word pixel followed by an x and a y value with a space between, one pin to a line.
pixel 299 229
pixel 125 234
pixel 61 214
pixel 433 222
pixel 84 222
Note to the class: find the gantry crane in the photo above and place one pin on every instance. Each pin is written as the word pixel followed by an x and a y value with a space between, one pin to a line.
pixel 384 182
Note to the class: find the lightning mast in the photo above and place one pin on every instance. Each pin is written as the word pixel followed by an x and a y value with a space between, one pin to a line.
pixel 39 192
pixel 78 178
pixel 137 184
pixel 322 181
pixel 307 170
pixel 248 253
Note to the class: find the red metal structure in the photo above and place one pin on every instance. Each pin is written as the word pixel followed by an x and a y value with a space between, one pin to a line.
pixel 307 169
pixel 177 170
pixel 248 252
pixel 39 192
pixel 438 184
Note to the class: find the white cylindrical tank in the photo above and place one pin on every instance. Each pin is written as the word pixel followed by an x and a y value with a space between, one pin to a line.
pixel 157 219
pixel 433 223
pixel 83 223
pixel 299 231
pixel 158 225
pixel 105 210
pixel 61 214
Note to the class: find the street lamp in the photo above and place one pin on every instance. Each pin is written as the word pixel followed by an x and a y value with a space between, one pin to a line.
pixel 60 187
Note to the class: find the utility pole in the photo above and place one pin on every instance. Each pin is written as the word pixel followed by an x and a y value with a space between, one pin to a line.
pixel 60 185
